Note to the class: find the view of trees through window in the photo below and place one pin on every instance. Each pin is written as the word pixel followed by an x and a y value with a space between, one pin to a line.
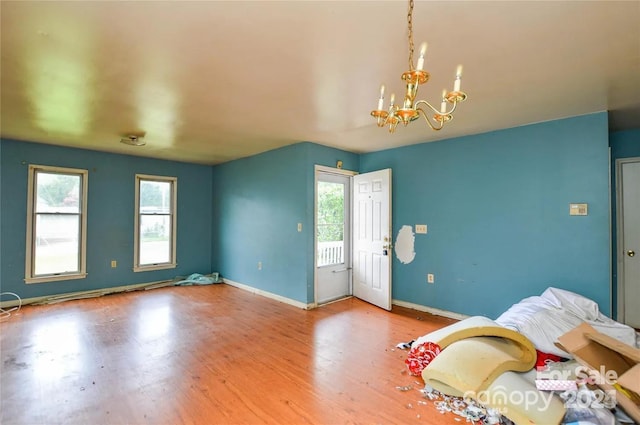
pixel 57 190
pixel 330 212
pixel 330 225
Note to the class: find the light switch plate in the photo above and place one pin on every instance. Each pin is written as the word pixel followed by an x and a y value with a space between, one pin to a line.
pixel 421 228
pixel 578 209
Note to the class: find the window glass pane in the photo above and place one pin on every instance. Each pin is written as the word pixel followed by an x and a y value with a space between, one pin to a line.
pixel 330 229
pixel 57 240
pixel 57 193
pixel 155 197
pixel 330 211
pixel 155 240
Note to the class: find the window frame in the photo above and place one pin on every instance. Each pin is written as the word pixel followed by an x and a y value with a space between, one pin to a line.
pixel 172 263
pixel 30 276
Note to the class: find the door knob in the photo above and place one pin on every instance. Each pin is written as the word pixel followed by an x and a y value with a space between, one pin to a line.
pixel 631 253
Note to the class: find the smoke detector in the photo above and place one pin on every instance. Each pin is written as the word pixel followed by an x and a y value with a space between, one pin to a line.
pixel 133 140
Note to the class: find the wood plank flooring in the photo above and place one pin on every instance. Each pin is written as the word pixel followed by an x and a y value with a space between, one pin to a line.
pixel 210 355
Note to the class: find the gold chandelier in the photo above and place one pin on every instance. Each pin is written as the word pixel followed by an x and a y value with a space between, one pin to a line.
pixel 410 110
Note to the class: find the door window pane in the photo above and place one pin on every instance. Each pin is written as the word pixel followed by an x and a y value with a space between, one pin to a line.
pixel 330 226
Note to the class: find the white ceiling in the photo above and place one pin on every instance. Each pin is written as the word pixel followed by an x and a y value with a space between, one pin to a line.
pixel 208 82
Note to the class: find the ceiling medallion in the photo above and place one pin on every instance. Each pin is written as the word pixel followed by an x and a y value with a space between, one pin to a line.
pixel 133 140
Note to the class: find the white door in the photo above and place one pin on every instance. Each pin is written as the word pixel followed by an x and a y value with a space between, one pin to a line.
pixel 372 237
pixel 333 236
pixel 629 241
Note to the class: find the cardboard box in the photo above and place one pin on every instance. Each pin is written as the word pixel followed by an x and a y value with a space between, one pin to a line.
pixel 614 364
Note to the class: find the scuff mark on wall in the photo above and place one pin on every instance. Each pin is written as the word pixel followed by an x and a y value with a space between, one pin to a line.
pixel 405 245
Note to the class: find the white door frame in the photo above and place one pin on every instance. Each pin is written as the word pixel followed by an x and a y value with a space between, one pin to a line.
pixel 619 237
pixel 330 170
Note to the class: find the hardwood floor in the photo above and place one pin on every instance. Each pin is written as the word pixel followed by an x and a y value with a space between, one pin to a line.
pixel 210 355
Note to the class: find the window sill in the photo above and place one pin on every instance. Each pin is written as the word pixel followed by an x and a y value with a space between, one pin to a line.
pixel 153 267
pixel 54 278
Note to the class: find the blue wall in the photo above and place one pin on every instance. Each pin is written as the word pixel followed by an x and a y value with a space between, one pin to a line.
pixel 257 203
pixel 497 210
pixel 496 205
pixel 624 144
pixel 110 216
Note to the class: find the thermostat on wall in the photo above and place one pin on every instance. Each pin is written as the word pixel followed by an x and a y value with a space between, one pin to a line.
pixel 578 209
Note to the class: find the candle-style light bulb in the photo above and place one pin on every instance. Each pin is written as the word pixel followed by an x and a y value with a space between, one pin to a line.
pixel 392 99
pixel 423 51
pixel 456 83
pixel 381 100
pixel 443 105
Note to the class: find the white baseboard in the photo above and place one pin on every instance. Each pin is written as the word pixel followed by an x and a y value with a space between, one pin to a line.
pixel 436 311
pixel 269 295
pixel 78 294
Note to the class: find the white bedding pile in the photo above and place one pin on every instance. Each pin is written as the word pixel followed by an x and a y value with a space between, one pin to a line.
pixel 544 318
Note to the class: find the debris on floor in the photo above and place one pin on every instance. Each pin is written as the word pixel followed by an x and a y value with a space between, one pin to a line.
pixel 404 345
pixel 467 409
pixel 191 280
pixel 590 416
pixel 420 356
pixel 524 354
pixel 618 379
pixel 199 279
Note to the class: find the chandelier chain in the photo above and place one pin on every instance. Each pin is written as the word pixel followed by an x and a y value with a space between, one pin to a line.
pixel 410 35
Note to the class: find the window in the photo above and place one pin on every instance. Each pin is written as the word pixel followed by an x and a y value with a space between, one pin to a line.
pixel 155 225
pixel 56 224
pixel 330 221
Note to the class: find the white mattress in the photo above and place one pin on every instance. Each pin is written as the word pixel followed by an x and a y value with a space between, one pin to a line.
pixel 544 318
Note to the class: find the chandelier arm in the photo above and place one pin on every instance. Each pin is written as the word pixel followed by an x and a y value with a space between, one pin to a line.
pixel 453 108
pixel 428 104
pixel 428 120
